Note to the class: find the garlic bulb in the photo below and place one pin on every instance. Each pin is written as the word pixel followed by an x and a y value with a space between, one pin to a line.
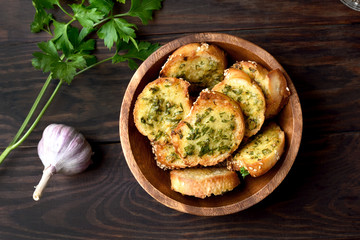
pixel 62 150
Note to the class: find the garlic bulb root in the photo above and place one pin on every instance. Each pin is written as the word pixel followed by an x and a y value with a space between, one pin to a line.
pixel 48 172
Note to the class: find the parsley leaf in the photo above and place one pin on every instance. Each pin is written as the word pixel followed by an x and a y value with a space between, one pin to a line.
pixel 103 6
pixel 42 19
pixel 45 4
pixel 66 70
pixel 143 9
pixel 49 48
pixel 117 29
pixel 49 55
pixel 244 172
pixel 87 46
pixel 63 69
pixel 84 33
pixel 61 37
pixel 141 52
pixel 86 16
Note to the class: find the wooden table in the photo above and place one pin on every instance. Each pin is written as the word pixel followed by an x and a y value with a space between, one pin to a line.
pixel 318 44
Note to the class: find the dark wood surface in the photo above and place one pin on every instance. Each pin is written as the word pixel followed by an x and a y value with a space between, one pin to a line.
pixel 318 44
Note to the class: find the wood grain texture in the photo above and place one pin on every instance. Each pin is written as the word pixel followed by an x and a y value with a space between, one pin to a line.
pixel 106 202
pixel 323 67
pixel 317 42
pixel 212 15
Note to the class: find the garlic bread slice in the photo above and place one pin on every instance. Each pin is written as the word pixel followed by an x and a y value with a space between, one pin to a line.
pixel 255 71
pixel 273 84
pixel 211 132
pixel 260 154
pixel 203 182
pixel 166 157
pixel 201 64
pixel 161 105
pixel 238 86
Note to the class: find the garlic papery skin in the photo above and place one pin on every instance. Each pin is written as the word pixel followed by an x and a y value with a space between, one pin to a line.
pixel 62 150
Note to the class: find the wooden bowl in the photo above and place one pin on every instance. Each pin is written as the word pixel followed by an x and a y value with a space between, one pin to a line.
pixel 156 182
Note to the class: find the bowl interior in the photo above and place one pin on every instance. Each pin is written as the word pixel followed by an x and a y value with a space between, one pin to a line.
pixel 156 182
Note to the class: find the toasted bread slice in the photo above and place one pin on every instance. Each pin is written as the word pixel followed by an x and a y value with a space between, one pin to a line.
pixel 160 107
pixel 166 157
pixel 211 132
pixel 278 93
pixel 261 153
pixel 201 64
pixel 273 85
pixel 203 182
pixel 254 70
pixel 238 85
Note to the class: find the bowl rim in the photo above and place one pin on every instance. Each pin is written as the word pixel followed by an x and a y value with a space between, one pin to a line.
pixel 125 111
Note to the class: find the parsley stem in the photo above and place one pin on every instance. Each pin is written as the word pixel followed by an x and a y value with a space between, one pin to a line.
pixel 111 17
pixel 121 14
pixel 48 31
pixel 5 153
pixel 104 20
pixel 16 141
pixel 31 128
pixel 62 9
pixel 95 64
pixel 33 108
pixel 38 117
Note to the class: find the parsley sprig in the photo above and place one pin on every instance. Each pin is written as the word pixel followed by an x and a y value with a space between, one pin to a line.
pixel 244 172
pixel 69 51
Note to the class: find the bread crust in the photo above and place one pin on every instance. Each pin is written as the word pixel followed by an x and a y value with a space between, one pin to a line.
pixel 278 93
pixel 254 70
pixel 273 85
pixel 166 157
pixel 213 130
pixel 160 106
pixel 201 64
pixel 260 154
pixel 203 182
pixel 238 85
